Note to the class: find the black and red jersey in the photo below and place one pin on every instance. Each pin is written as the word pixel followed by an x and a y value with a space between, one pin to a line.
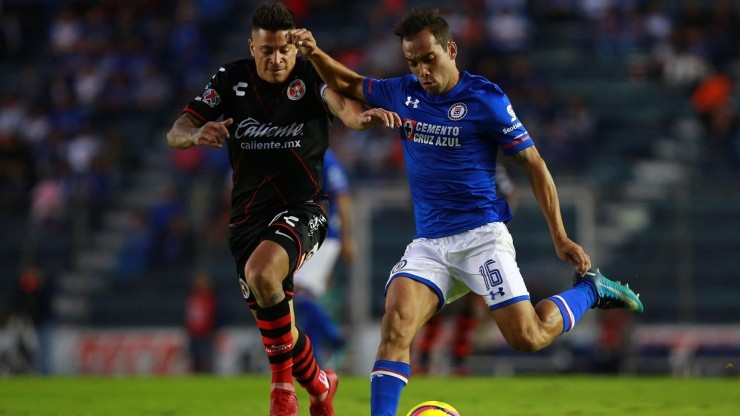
pixel 278 138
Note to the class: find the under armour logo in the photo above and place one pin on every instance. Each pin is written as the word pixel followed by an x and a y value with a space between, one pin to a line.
pixel 500 293
pixel 409 100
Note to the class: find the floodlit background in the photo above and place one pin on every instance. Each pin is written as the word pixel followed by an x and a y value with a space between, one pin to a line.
pixel 635 106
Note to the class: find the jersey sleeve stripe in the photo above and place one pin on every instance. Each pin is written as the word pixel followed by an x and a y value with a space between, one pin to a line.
pixel 369 85
pixel 515 142
pixel 193 112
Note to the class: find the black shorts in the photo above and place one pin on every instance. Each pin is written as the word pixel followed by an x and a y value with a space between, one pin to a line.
pixel 299 228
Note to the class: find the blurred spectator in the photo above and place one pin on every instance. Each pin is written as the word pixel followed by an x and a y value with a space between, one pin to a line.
pixel 118 94
pixel 12 113
pixel 187 47
pixel 82 148
pixel 509 30
pixel 17 173
pixel 177 245
pixel 48 201
pixel 36 126
pixel 11 36
pixel 171 231
pixel 682 62
pixel 28 324
pixel 658 24
pixel 200 322
pixel 65 32
pixel 136 255
pixel 153 90
pixel 89 82
pixel 617 30
pixel 569 137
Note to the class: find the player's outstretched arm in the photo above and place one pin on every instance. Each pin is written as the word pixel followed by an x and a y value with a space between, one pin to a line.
pixel 337 76
pixel 354 115
pixel 190 131
pixel 546 194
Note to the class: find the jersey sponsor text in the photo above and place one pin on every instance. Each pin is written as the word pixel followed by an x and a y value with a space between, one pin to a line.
pixel 250 127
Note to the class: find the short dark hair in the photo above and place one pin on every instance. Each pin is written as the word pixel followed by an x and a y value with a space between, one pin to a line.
pixel 420 18
pixel 273 17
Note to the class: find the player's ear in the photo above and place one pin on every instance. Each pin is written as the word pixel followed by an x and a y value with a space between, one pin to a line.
pixel 251 46
pixel 452 50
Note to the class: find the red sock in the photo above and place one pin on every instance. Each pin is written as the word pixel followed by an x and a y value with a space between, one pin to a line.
pixel 274 325
pixel 305 368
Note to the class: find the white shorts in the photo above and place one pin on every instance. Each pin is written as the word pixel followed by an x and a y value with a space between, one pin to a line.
pixel 482 260
pixel 314 275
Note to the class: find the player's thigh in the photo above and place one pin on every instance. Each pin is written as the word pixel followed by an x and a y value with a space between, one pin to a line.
pixel 300 230
pixel 484 261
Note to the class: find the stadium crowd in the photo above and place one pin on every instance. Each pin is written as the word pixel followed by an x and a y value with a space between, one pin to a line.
pixel 88 86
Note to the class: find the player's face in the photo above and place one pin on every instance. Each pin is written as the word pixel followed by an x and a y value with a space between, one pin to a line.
pixel 433 66
pixel 274 56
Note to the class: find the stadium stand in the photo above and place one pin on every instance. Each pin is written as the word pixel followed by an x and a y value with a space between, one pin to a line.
pixel 606 93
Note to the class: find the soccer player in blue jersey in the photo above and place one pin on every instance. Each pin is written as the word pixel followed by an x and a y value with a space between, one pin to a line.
pixel 453 125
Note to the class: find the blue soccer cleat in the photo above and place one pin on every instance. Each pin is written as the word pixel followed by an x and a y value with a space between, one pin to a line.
pixel 611 294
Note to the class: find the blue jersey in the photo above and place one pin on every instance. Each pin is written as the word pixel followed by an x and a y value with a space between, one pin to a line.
pixel 450 144
pixel 335 183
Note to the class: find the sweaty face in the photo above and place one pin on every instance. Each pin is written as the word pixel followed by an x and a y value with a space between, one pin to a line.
pixel 435 67
pixel 274 56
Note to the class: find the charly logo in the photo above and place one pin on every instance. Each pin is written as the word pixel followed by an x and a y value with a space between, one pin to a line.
pixel 457 111
pixel 239 89
pixel 296 90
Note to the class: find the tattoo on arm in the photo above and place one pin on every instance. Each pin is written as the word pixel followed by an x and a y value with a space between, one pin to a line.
pixel 181 134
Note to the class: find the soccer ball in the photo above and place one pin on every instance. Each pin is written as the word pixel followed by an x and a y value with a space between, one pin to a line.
pixel 433 408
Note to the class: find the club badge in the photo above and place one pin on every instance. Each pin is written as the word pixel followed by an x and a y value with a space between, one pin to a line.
pixel 296 90
pixel 457 111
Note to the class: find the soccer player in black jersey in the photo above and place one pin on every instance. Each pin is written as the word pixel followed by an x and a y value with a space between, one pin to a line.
pixel 273 113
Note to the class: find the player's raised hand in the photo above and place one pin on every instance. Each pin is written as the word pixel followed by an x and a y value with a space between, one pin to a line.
pixel 574 254
pixel 379 116
pixel 303 40
pixel 213 133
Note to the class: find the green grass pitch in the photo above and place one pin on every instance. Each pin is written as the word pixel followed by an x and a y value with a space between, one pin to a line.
pixel 472 396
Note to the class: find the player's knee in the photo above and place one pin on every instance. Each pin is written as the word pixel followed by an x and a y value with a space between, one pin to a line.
pixel 260 280
pixel 398 327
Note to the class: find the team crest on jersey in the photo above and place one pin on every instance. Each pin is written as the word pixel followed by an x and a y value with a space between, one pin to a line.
pixel 296 90
pixel 211 97
pixel 457 111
